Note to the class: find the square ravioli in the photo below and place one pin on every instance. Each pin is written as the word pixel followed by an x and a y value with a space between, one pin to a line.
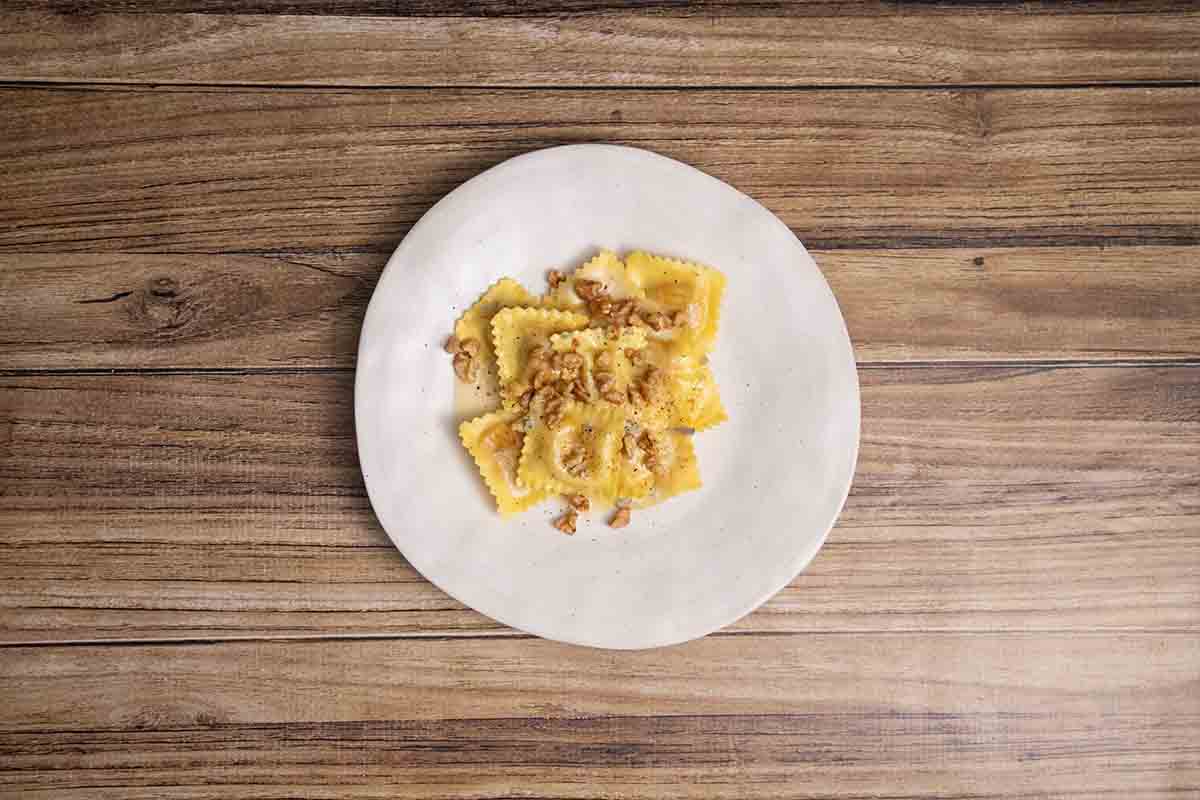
pixel 684 291
pixel 657 465
pixel 495 441
pixel 476 322
pixel 577 456
pixel 519 336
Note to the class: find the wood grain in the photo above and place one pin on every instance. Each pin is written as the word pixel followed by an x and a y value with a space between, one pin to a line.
pixel 986 500
pixel 730 46
pixel 130 310
pixel 217 171
pixel 900 755
pixel 498 9
pixel 898 716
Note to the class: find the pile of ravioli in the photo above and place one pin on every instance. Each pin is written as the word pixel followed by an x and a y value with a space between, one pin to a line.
pixel 602 382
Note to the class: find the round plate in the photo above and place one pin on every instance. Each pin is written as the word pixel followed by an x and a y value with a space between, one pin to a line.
pixel 775 475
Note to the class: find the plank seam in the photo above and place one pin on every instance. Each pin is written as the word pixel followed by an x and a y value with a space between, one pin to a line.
pixel 184 86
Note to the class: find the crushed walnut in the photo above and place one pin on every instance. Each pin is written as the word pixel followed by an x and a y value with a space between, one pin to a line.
pixel 575 461
pixel 658 320
pixel 629 445
pixel 590 291
pixel 620 518
pixel 566 523
pixel 465 351
pixel 579 502
pixel 555 278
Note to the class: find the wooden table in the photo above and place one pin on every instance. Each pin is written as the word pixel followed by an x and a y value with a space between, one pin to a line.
pixel 198 196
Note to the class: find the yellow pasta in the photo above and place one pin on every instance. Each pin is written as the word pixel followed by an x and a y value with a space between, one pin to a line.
pixel 578 456
pixel 495 442
pixel 516 332
pixel 697 399
pixel 606 269
pixel 604 382
pixel 476 322
pixel 607 367
pixel 680 287
pixel 662 464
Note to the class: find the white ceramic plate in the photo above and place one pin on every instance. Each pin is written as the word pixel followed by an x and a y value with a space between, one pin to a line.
pixel 775 475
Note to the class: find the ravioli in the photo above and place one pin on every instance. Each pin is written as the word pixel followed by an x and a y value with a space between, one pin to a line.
pixel 604 381
pixel 495 443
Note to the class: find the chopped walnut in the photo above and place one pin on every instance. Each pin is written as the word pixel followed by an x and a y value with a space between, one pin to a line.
pixel 555 278
pixel 658 321
pixel 451 345
pixel 464 367
pixel 614 396
pixel 604 360
pixel 469 346
pixel 589 290
pixel 604 381
pixel 621 518
pixel 629 445
pixel 524 400
pixel 600 308
pixel 579 502
pixel 572 360
pixel 575 461
pixel 634 355
pixel 579 391
pixel 566 523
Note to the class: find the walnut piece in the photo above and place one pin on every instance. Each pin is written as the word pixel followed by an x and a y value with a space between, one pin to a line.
pixel 629 445
pixel 613 396
pixel 566 523
pixel 658 321
pixel 579 502
pixel 451 345
pixel 469 346
pixel 575 461
pixel 464 367
pixel 555 278
pixel 590 291
pixel 621 518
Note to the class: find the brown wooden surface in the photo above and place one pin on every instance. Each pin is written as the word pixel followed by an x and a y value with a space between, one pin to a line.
pixel 126 310
pixel 186 506
pixel 198 197
pixel 202 169
pixel 755 45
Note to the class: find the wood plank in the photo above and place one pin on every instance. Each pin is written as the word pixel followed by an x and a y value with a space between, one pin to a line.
pixel 498 9
pixel 731 46
pixel 986 500
pixel 205 170
pixel 816 756
pixel 131 310
pixel 898 716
